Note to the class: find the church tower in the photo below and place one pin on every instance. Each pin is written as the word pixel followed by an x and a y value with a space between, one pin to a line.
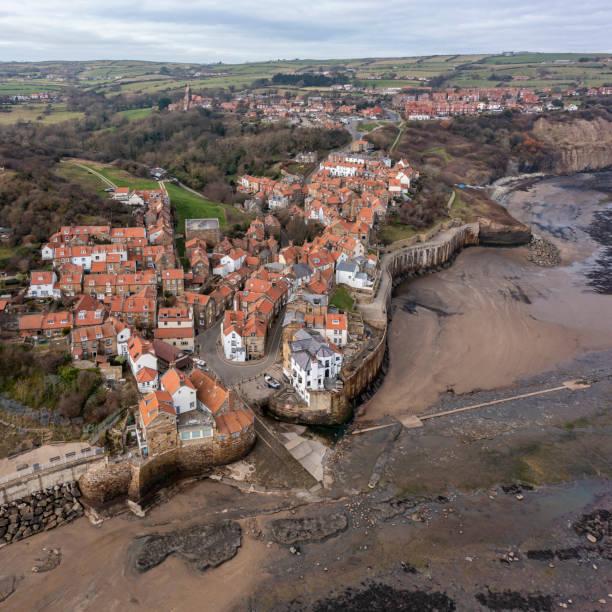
pixel 187 102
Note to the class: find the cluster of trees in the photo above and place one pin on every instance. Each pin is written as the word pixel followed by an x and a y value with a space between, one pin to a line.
pixel 428 202
pixel 309 79
pixel 297 230
pixel 39 379
pixel 200 147
pixel 35 202
pixel 495 76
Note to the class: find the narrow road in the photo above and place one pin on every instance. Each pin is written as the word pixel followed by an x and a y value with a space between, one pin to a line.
pixel 233 373
pixel 397 139
pixel 91 171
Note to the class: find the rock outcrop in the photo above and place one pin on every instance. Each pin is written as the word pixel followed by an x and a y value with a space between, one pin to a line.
pixel 495 232
pixel 202 546
pixel 307 529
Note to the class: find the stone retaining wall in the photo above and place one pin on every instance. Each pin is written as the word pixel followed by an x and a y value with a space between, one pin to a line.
pixel 39 481
pixel 136 478
pixel 40 511
pixel 425 256
pixel 334 407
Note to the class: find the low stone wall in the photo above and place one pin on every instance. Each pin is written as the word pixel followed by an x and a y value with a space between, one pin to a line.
pixel 137 478
pixel 41 511
pixel 39 481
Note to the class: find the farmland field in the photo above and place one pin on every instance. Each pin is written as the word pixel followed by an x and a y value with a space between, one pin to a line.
pixel 546 70
pixel 136 113
pixel 36 113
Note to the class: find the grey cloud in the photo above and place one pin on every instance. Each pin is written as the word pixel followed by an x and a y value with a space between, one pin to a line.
pixel 202 30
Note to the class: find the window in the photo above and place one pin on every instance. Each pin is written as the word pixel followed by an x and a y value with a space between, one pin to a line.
pixel 196 434
pixel 185 435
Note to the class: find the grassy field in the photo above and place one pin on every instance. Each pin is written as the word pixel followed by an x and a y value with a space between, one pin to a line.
pixel 187 205
pixel 440 151
pixel 136 113
pixel 396 231
pixel 368 126
pixel 120 177
pixel 342 300
pixel 35 113
pixel 460 209
pixel 14 87
pixel 82 177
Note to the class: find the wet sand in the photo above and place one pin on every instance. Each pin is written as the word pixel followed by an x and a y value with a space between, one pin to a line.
pixel 493 316
pixel 96 574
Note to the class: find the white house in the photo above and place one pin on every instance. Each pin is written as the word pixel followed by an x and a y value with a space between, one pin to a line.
pixel 147 380
pixel 124 334
pixel 44 284
pixel 347 273
pixel 313 362
pixel 404 179
pixel 276 202
pixel 135 199
pixel 81 256
pixel 233 346
pixel 47 251
pixel 141 354
pixel 336 329
pixel 230 263
pixel 122 194
pixel 181 389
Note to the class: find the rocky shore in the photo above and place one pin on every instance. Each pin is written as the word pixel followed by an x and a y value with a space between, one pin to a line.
pixel 202 546
pixel 39 512
pixel 543 253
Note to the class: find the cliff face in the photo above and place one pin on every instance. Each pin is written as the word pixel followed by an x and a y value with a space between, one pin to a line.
pixel 578 145
pixel 495 232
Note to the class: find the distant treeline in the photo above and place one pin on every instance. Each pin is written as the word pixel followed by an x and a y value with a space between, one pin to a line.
pixel 309 79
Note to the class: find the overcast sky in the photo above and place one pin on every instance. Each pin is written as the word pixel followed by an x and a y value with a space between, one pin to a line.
pixel 240 30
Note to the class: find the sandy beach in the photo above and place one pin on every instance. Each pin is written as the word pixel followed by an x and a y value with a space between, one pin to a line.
pixel 493 316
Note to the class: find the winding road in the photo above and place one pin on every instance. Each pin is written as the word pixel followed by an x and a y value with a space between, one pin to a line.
pixel 209 349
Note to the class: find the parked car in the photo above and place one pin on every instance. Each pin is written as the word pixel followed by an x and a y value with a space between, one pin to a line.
pixel 272 382
pixel 109 189
pixel 200 363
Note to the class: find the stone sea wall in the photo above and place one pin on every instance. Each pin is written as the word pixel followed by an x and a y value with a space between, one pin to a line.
pixel 137 478
pixel 334 407
pixel 434 253
pixel 40 511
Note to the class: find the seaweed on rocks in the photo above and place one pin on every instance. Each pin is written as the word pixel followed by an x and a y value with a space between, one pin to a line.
pixel 381 597
pixel 600 230
pixel 597 524
pixel 513 600
pixel 307 529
